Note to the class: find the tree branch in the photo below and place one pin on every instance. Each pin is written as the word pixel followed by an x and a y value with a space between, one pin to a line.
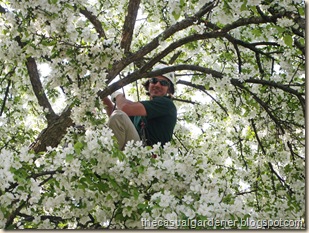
pixel 202 88
pixel 248 45
pixel 246 192
pixel 117 67
pixel 5 97
pixel 93 19
pixel 251 20
pixel 53 134
pixel 2 10
pixel 184 101
pixel 139 74
pixel 258 61
pixel 269 163
pixel 282 181
pixel 38 89
pixel 183 41
pixel 128 26
pixel 54 219
pixel 37 85
pixel 261 102
pixel 238 57
pixel 120 65
pixel 244 22
pixel 283 87
pixel 12 216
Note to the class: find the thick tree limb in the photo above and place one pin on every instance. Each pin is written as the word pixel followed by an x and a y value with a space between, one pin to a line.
pixel 38 88
pixel 120 65
pixel 139 74
pixel 252 20
pixel 55 131
pixel 37 85
pixel 57 125
pixel 129 23
pixel 214 34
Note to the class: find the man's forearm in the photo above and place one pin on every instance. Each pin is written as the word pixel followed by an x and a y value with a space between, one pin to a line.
pixel 121 101
pixel 129 107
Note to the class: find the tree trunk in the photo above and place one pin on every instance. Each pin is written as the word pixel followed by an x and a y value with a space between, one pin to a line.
pixel 53 133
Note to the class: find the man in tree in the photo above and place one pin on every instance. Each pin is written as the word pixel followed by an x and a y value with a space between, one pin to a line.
pixel 151 121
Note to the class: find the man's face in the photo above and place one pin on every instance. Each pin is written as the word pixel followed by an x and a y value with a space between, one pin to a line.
pixel 158 86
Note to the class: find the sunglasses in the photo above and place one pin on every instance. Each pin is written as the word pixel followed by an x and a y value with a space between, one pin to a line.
pixel 162 82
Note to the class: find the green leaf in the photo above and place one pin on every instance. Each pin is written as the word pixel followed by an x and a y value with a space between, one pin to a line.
pixel 78 147
pixel 142 206
pixel 113 183
pixel 125 194
pixel 103 187
pixel 52 1
pixel 109 197
pixel 288 40
pixel 176 15
pixel 69 158
pixel 244 6
pixel 135 193
pixel 301 11
pixel 48 43
pixel 279 29
pixel 140 169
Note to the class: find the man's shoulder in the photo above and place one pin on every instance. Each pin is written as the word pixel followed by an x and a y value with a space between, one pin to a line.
pixel 159 103
pixel 158 99
pixel 162 99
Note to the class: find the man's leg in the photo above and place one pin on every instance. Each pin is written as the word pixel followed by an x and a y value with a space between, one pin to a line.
pixel 123 128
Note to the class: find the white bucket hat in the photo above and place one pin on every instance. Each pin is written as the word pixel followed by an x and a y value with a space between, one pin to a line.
pixel 170 76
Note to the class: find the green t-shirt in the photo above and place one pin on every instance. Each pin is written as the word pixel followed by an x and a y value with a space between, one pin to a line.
pixel 159 122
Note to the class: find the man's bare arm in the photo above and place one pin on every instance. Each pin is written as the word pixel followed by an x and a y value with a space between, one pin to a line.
pixel 129 107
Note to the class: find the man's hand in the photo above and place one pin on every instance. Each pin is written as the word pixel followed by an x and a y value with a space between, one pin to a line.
pixel 114 95
pixel 108 105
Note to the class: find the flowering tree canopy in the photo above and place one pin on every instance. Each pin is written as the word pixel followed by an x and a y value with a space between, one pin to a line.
pixel 238 150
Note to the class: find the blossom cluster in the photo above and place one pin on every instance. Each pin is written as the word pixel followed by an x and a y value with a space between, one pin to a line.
pixel 90 176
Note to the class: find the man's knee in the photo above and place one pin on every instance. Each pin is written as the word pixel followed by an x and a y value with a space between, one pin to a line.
pixel 118 117
pixel 123 128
